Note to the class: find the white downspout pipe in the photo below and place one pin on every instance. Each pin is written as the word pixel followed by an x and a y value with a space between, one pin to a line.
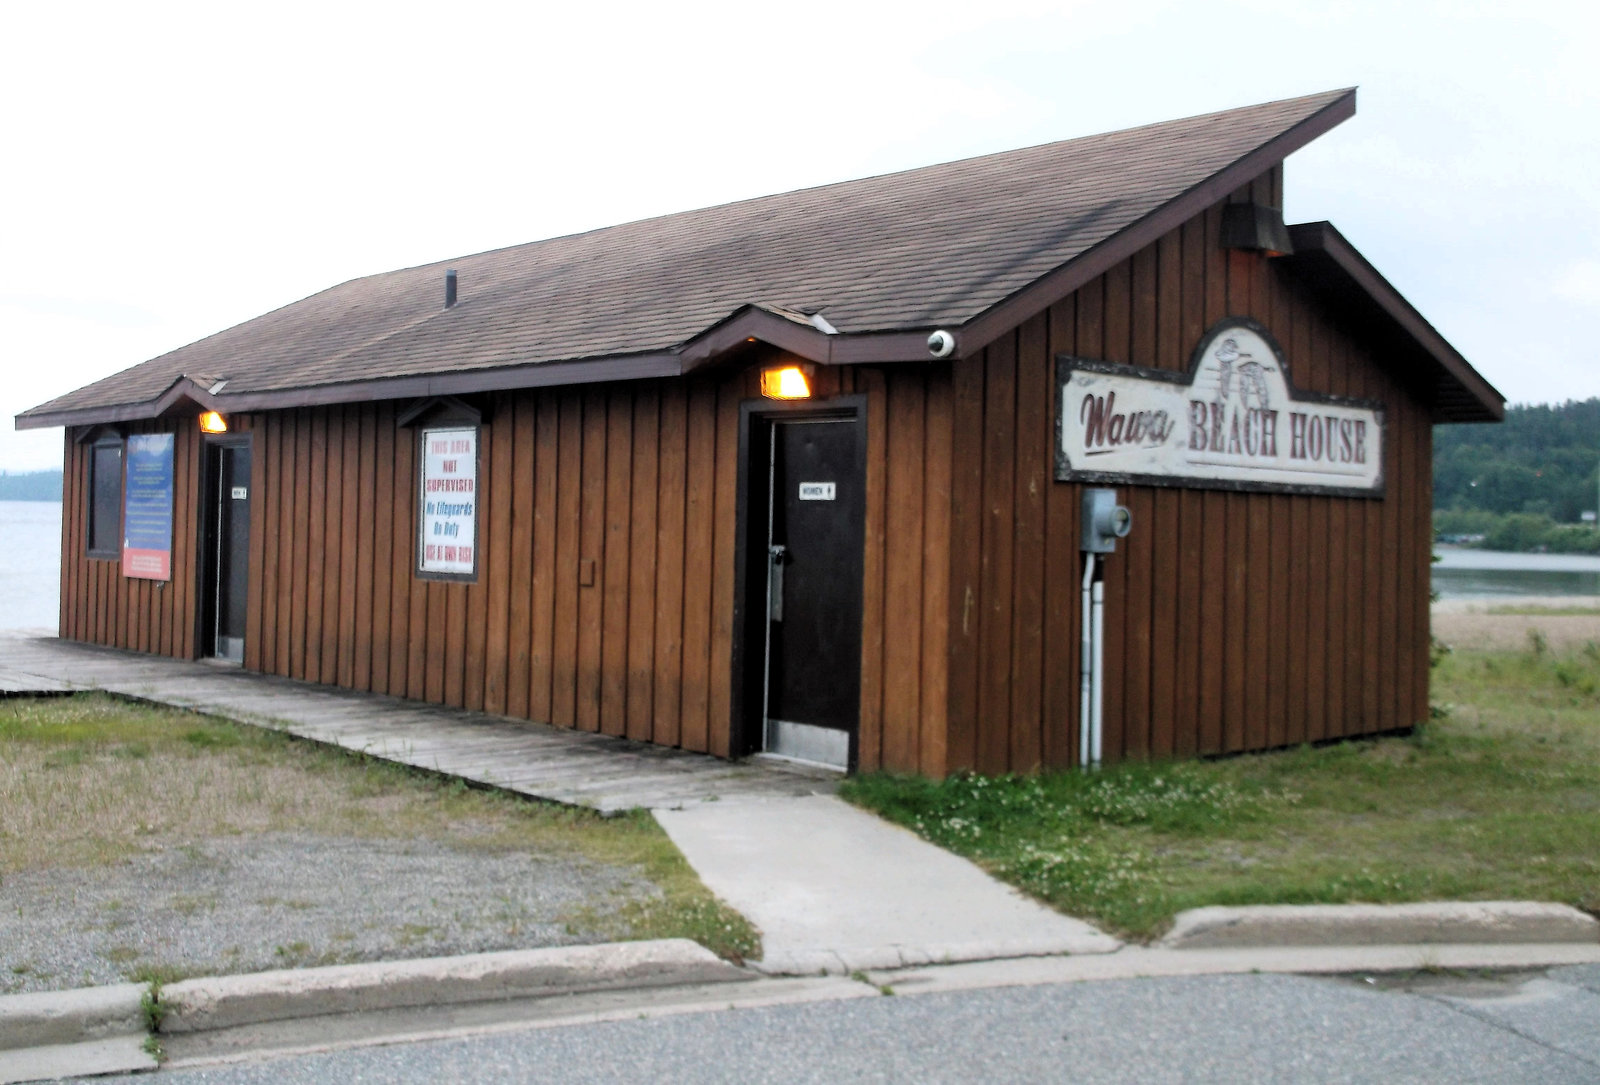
pixel 1099 672
pixel 1086 664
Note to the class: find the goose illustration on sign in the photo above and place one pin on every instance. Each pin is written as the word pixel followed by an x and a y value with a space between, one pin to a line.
pixel 1233 421
pixel 1252 374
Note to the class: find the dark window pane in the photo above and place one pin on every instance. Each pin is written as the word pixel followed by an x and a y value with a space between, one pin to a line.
pixel 105 514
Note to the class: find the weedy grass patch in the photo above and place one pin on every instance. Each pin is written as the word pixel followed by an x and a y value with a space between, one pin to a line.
pixel 1541 609
pixel 89 780
pixel 1499 798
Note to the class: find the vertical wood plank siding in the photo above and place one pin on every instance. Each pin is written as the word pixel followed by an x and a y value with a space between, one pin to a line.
pixel 98 603
pixel 635 480
pixel 1234 621
pixel 605 591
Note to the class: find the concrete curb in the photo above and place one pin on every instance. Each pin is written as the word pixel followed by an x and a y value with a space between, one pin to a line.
pixel 230 1001
pixel 93 1030
pixel 58 1018
pixel 115 1055
pixel 1436 923
pixel 848 959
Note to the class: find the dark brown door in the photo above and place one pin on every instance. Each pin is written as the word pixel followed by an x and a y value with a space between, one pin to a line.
pixel 816 509
pixel 228 548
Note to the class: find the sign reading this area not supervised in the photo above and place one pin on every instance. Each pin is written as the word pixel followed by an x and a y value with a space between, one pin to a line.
pixel 1234 421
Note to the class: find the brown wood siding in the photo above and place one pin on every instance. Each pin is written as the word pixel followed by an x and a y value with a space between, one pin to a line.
pixel 905 590
pixel 605 590
pixel 99 604
pixel 1234 620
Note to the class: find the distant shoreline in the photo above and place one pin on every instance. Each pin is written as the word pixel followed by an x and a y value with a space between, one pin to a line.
pixel 31 485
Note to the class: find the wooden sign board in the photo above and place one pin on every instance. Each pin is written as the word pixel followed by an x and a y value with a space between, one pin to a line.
pixel 449 515
pixel 1233 422
pixel 147 507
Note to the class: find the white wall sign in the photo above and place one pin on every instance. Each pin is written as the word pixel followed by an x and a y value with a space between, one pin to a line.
pixel 449 520
pixel 816 491
pixel 1232 422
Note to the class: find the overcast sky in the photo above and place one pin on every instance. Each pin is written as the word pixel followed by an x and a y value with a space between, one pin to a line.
pixel 172 169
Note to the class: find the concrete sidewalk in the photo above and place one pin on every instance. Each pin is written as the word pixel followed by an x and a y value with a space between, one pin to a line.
pixel 835 889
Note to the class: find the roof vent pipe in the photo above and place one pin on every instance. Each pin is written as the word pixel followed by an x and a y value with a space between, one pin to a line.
pixel 450 288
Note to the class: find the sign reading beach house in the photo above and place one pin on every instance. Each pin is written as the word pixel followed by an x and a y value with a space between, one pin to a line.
pixel 147 507
pixel 1232 422
pixel 449 502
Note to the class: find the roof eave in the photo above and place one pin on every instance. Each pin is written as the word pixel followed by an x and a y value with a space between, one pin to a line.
pixel 532 375
pixel 757 323
pixel 1460 393
pixel 746 324
pixel 177 398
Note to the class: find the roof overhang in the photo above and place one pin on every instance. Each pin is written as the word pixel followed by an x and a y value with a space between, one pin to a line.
pixel 776 326
pixel 543 374
pixel 186 395
pixel 1342 276
pixel 806 336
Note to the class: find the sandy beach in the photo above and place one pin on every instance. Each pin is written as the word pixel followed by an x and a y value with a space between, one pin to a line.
pixel 1483 623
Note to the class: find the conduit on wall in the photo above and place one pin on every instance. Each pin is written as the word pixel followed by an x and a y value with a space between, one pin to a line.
pixel 1104 522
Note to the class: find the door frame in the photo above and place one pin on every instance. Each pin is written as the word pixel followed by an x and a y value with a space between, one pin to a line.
pixel 749 632
pixel 208 500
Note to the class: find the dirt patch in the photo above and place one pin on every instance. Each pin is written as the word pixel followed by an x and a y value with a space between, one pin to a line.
pixel 1472 626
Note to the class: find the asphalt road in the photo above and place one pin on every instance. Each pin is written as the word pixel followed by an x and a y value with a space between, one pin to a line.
pixel 1539 1027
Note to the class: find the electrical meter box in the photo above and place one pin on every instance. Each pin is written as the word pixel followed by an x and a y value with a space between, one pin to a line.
pixel 1104 521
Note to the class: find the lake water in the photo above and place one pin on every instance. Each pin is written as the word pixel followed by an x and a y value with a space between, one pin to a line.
pixel 1481 574
pixel 30 569
pixel 30 564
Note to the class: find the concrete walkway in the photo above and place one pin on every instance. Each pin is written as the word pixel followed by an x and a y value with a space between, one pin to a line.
pixel 835 889
pixel 578 768
pixel 832 889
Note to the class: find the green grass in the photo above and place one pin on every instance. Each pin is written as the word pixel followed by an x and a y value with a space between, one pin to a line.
pixel 89 780
pixel 1500 798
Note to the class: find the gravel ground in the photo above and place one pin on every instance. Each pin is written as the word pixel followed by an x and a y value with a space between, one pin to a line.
pixel 257 902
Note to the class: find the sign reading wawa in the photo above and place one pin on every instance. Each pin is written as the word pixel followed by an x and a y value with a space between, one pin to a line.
pixel 1233 422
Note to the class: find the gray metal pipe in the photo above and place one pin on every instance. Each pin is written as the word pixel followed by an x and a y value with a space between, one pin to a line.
pixel 1086 664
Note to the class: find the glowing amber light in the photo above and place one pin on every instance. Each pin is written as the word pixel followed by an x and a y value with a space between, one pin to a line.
pixel 786 383
pixel 212 422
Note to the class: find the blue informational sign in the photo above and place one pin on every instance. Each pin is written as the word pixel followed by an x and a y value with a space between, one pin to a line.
pixel 147 507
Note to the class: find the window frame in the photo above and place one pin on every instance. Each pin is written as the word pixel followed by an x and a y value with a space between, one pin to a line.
pixel 92 511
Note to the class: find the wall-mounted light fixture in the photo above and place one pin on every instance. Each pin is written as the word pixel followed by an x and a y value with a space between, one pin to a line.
pixel 212 422
pixel 786 382
pixel 1255 228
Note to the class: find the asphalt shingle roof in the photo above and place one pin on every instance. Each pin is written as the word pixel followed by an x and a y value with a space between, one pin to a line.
pixel 926 248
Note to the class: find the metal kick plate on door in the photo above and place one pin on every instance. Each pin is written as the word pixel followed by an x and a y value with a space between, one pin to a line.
pixel 816 491
pixel 240 493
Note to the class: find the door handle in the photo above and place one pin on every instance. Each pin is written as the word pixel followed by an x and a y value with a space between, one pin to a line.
pixel 775 557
